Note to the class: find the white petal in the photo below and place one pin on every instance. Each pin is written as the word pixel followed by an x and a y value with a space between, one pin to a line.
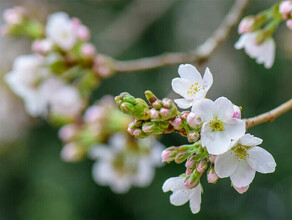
pixel 145 173
pixel 99 151
pixel 243 175
pixel 188 71
pixel 195 199
pixel 261 160
pixel 173 183
pixel 207 79
pixel 225 164
pixel 204 109
pixel 102 172
pixel 224 108
pixel 250 140
pixel 216 142
pixel 183 103
pixel 179 197
pixel 234 128
pixel 241 42
pixel 181 86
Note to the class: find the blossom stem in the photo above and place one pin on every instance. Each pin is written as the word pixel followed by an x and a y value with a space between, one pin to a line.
pixel 270 115
pixel 199 55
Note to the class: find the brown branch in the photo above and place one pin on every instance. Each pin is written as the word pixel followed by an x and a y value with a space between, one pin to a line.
pixel 200 54
pixel 269 116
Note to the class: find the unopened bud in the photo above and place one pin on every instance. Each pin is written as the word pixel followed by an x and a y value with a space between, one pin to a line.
pixel 241 190
pixel 236 112
pixel 202 165
pixel 193 120
pixel 192 181
pixel 127 107
pixel 137 132
pixel 285 8
pixel 176 123
pixel 212 176
pixel 184 115
pixel 212 158
pixel 154 114
pixel 67 132
pixel 289 24
pixel 148 127
pixel 181 156
pixel 189 171
pixel 167 103
pixel 164 112
pixel 150 97
pixel 246 25
pixel 191 162
pixel 88 50
pixel 137 123
pixel 83 33
pixel 71 153
pixel 157 104
pixel 131 130
pixel 193 136
pixel 168 154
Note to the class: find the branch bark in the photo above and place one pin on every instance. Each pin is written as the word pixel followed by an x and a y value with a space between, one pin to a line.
pixel 199 55
pixel 270 115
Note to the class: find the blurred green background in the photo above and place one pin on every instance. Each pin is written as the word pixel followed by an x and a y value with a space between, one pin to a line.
pixel 36 184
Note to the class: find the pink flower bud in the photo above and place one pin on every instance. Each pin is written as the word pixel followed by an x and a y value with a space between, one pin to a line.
pixel 75 22
pixel 94 114
pixel 241 190
pixel 168 155
pixel 285 8
pixel 88 50
pixel 12 16
pixel 202 166
pixel 166 103
pixel 212 158
pixel 193 137
pixel 190 163
pixel 67 132
pixel 136 132
pixel 157 104
pixel 212 176
pixel 189 171
pixel 154 114
pixel 102 71
pixel 245 25
pixel 176 123
pixel 184 115
pixel 289 24
pixel 131 130
pixel 71 153
pixel 83 33
pixel 236 112
pixel 191 184
pixel 193 120
pixel 164 112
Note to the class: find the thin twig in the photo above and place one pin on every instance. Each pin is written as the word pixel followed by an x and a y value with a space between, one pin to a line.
pixel 200 54
pixel 270 115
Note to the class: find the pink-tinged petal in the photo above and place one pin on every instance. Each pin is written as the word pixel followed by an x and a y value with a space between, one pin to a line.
pixel 216 142
pixel 181 86
pixel 243 175
pixel 189 72
pixel 179 197
pixel 224 108
pixel 234 128
pixel 241 190
pixel 195 199
pixel 225 164
pixel 184 103
pixel 207 79
pixel 173 183
pixel 250 140
pixel 261 160
pixel 204 109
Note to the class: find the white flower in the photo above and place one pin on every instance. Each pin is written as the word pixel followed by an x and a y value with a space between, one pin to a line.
pixel 120 167
pixel 264 53
pixel 191 86
pixel 243 160
pixel 181 194
pixel 219 126
pixel 27 72
pixel 62 99
pixel 61 30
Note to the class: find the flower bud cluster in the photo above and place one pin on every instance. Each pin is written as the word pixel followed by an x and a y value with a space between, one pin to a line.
pixel 64 65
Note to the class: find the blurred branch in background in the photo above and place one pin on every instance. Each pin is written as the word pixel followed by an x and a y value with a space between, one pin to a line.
pixel 270 115
pixel 131 24
pixel 199 55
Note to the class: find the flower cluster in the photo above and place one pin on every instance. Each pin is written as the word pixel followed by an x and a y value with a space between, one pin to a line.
pixel 55 82
pixel 215 129
pixel 257 31
pixel 122 161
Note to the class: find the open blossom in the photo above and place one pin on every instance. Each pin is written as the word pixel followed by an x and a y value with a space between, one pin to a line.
pixel 191 86
pixel 263 53
pixel 27 72
pixel 242 161
pixel 219 125
pixel 120 168
pixel 60 30
pixel 182 195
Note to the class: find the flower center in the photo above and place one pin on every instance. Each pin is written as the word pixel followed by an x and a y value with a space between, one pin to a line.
pixel 240 152
pixel 194 88
pixel 216 124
